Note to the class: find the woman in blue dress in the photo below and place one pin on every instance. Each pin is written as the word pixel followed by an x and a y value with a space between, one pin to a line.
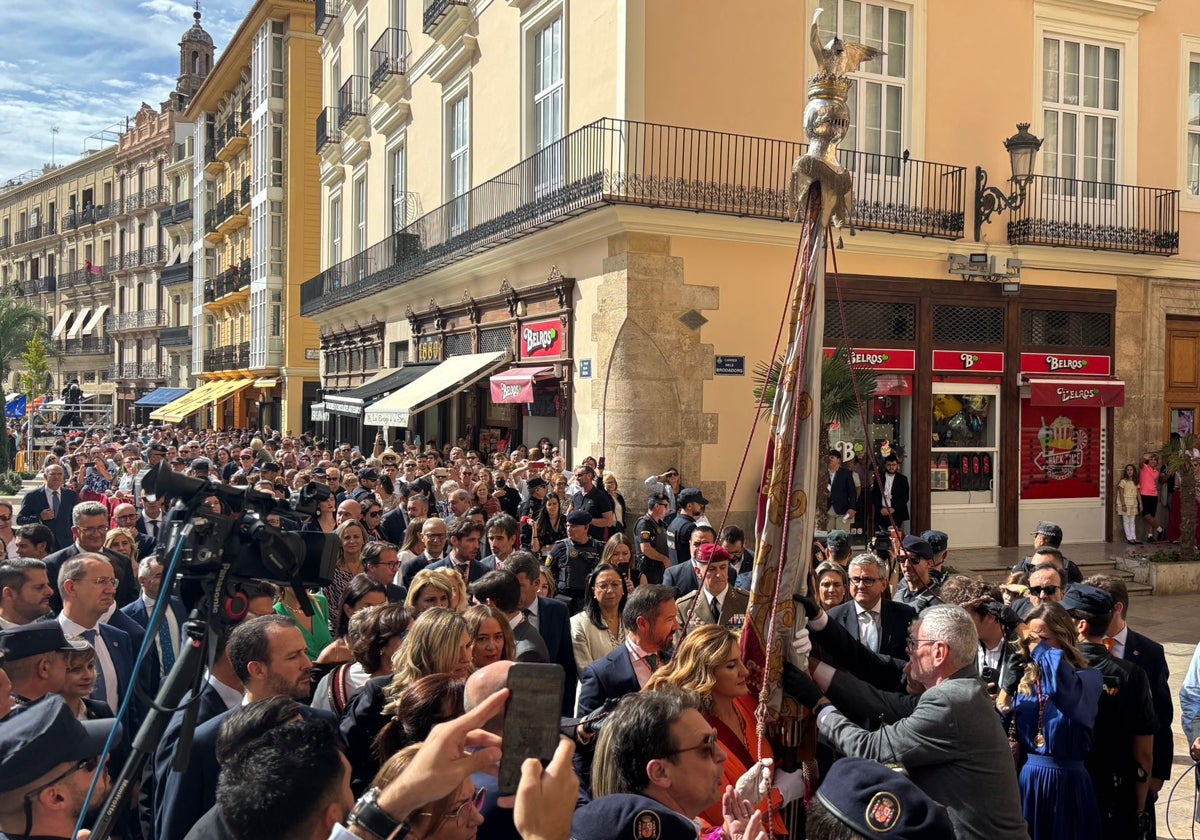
pixel 1055 710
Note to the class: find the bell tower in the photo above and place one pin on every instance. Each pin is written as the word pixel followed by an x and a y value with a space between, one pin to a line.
pixel 195 61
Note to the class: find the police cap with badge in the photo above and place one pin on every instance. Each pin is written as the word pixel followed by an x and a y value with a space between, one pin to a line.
pixel 838 542
pixel 579 517
pixel 876 801
pixel 939 541
pixel 691 494
pixel 630 817
pixel 36 739
pixel 534 483
pixel 36 639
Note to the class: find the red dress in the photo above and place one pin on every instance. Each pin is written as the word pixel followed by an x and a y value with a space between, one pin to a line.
pixel 742 758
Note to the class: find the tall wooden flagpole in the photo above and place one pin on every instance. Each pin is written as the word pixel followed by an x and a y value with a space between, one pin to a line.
pixel 820 193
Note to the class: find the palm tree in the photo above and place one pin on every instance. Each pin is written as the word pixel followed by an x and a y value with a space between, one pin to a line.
pixel 839 402
pixel 18 323
pixel 1181 457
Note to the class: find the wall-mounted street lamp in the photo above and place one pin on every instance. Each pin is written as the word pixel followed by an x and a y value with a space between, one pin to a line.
pixel 1022 152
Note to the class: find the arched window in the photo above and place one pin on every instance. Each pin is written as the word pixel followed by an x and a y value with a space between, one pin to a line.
pixel 195 62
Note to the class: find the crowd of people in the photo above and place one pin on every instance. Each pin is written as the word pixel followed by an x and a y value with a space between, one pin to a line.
pixel 373 705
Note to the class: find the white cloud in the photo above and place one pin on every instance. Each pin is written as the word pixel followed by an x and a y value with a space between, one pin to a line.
pixel 63 69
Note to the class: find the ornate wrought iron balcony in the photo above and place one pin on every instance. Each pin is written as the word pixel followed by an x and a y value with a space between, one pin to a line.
pixel 146 319
pixel 1102 217
pixel 174 275
pixel 5 242
pixel 86 276
pixel 623 162
pixel 228 357
pixel 233 279
pixel 87 346
pixel 29 234
pixel 153 370
pixel 328 129
pixel 352 99
pixel 327 13
pixel 435 10
pixel 177 214
pixel 388 56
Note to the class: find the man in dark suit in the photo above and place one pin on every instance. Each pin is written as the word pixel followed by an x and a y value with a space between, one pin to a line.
pixel 89 589
pixel 1131 646
pixel 684 576
pixel 268 655
pixel 889 500
pixel 51 506
pixel 549 617
pixel 436 536
pixel 151 522
pixel 843 493
pixel 650 622
pixel 465 536
pixel 877 623
pixel 381 562
pixel 90 526
pixel 170 632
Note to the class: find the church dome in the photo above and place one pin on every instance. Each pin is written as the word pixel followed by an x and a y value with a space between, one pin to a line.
pixel 197 34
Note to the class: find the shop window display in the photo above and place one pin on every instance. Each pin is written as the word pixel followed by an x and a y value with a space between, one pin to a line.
pixel 964 448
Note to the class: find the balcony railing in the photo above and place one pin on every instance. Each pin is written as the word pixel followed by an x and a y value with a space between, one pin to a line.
pixel 230 130
pixel 327 12
pixel 129 260
pixel 129 370
pixel 211 220
pixel 91 215
pixel 87 346
pixel 85 276
pixel 114 208
pixel 175 336
pixel 328 129
pixel 174 275
pixel 33 232
pixel 70 220
pixel 113 263
pixel 352 99
pixel 6 240
pixel 229 357
pixel 1103 217
pixel 233 279
pixel 623 162
pixel 40 285
pixel 155 196
pixel 177 214
pixel 153 254
pixel 244 192
pixel 153 370
pixel 388 56
pixel 143 320
pixel 435 10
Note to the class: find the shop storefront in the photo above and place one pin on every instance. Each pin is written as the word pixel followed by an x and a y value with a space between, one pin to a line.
pixel 1001 404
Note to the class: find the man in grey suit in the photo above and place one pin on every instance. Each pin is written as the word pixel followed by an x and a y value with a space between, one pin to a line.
pixel 952 744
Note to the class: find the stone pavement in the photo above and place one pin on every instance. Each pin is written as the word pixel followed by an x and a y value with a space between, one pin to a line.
pixel 1173 621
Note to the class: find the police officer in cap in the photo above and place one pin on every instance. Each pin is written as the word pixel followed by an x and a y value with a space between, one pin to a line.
pixel 874 801
pixel 572 560
pixel 47 761
pixel 650 538
pixel 679 532
pixel 1123 737
pixel 35 658
pixel 939 541
pixel 530 509
pixel 917 588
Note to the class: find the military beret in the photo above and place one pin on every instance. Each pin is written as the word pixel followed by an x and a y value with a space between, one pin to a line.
pixel 918 546
pixel 36 739
pixel 877 801
pixel 579 517
pixel 711 553
pixel 1091 599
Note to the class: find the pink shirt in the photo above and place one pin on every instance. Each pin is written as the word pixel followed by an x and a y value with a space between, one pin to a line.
pixel 1148 481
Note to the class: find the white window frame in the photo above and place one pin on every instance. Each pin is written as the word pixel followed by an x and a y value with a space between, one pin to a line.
pixel 335 230
pixel 397 181
pixel 546 92
pixel 1189 175
pixel 456 130
pixel 361 210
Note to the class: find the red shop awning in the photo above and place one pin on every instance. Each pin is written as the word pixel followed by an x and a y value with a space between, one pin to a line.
pixel 1098 393
pixel 515 385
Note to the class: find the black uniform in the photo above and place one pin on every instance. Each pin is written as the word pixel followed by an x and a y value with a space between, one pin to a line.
pixel 919 601
pixel 1125 711
pixel 528 511
pixel 571 563
pixel 679 538
pixel 597 502
pixel 647 530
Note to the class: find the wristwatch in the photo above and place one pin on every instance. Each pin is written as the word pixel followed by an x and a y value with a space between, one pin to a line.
pixel 367 814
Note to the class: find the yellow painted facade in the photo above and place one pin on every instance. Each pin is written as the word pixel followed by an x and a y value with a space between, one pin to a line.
pixel 967 73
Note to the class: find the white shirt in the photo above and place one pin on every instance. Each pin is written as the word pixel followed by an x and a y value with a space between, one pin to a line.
pixel 533 615
pixel 708 598
pixel 989 657
pixel 103 658
pixel 150 530
pixel 230 696
pixel 1118 648
pixel 887 489
pixel 5 624
pixel 869 629
pixel 641 668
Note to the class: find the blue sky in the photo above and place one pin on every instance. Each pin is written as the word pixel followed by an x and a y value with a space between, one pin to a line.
pixel 86 65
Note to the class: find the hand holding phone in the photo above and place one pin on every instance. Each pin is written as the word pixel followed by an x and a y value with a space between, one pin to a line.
pixel 531 720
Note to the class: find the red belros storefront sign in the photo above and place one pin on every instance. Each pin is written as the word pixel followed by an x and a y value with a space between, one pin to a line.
pixel 967 361
pixel 1066 364
pixel 541 339
pixel 880 358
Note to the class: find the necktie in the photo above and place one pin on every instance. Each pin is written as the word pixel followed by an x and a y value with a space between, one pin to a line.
pixel 167 650
pixel 528 613
pixel 100 691
pixel 716 609
pixel 54 503
pixel 869 630
pixel 652 661
pixel 154 529
pixel 1110 643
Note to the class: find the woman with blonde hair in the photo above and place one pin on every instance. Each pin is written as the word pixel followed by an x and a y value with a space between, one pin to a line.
pixel 1053 715
pixel 459 598
pixel 492 635
pixel 429 590
pixel 123 541
pixel 709 664
pixel 352 535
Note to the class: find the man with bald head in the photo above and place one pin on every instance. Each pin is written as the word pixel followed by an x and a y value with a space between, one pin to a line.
pixel 349 511
pixel 125 515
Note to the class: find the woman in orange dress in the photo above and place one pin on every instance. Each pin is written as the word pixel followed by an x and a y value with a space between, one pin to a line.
pixel 709 663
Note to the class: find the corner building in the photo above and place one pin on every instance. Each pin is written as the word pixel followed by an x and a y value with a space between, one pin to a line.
pixel 253 226
pixel 614 174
